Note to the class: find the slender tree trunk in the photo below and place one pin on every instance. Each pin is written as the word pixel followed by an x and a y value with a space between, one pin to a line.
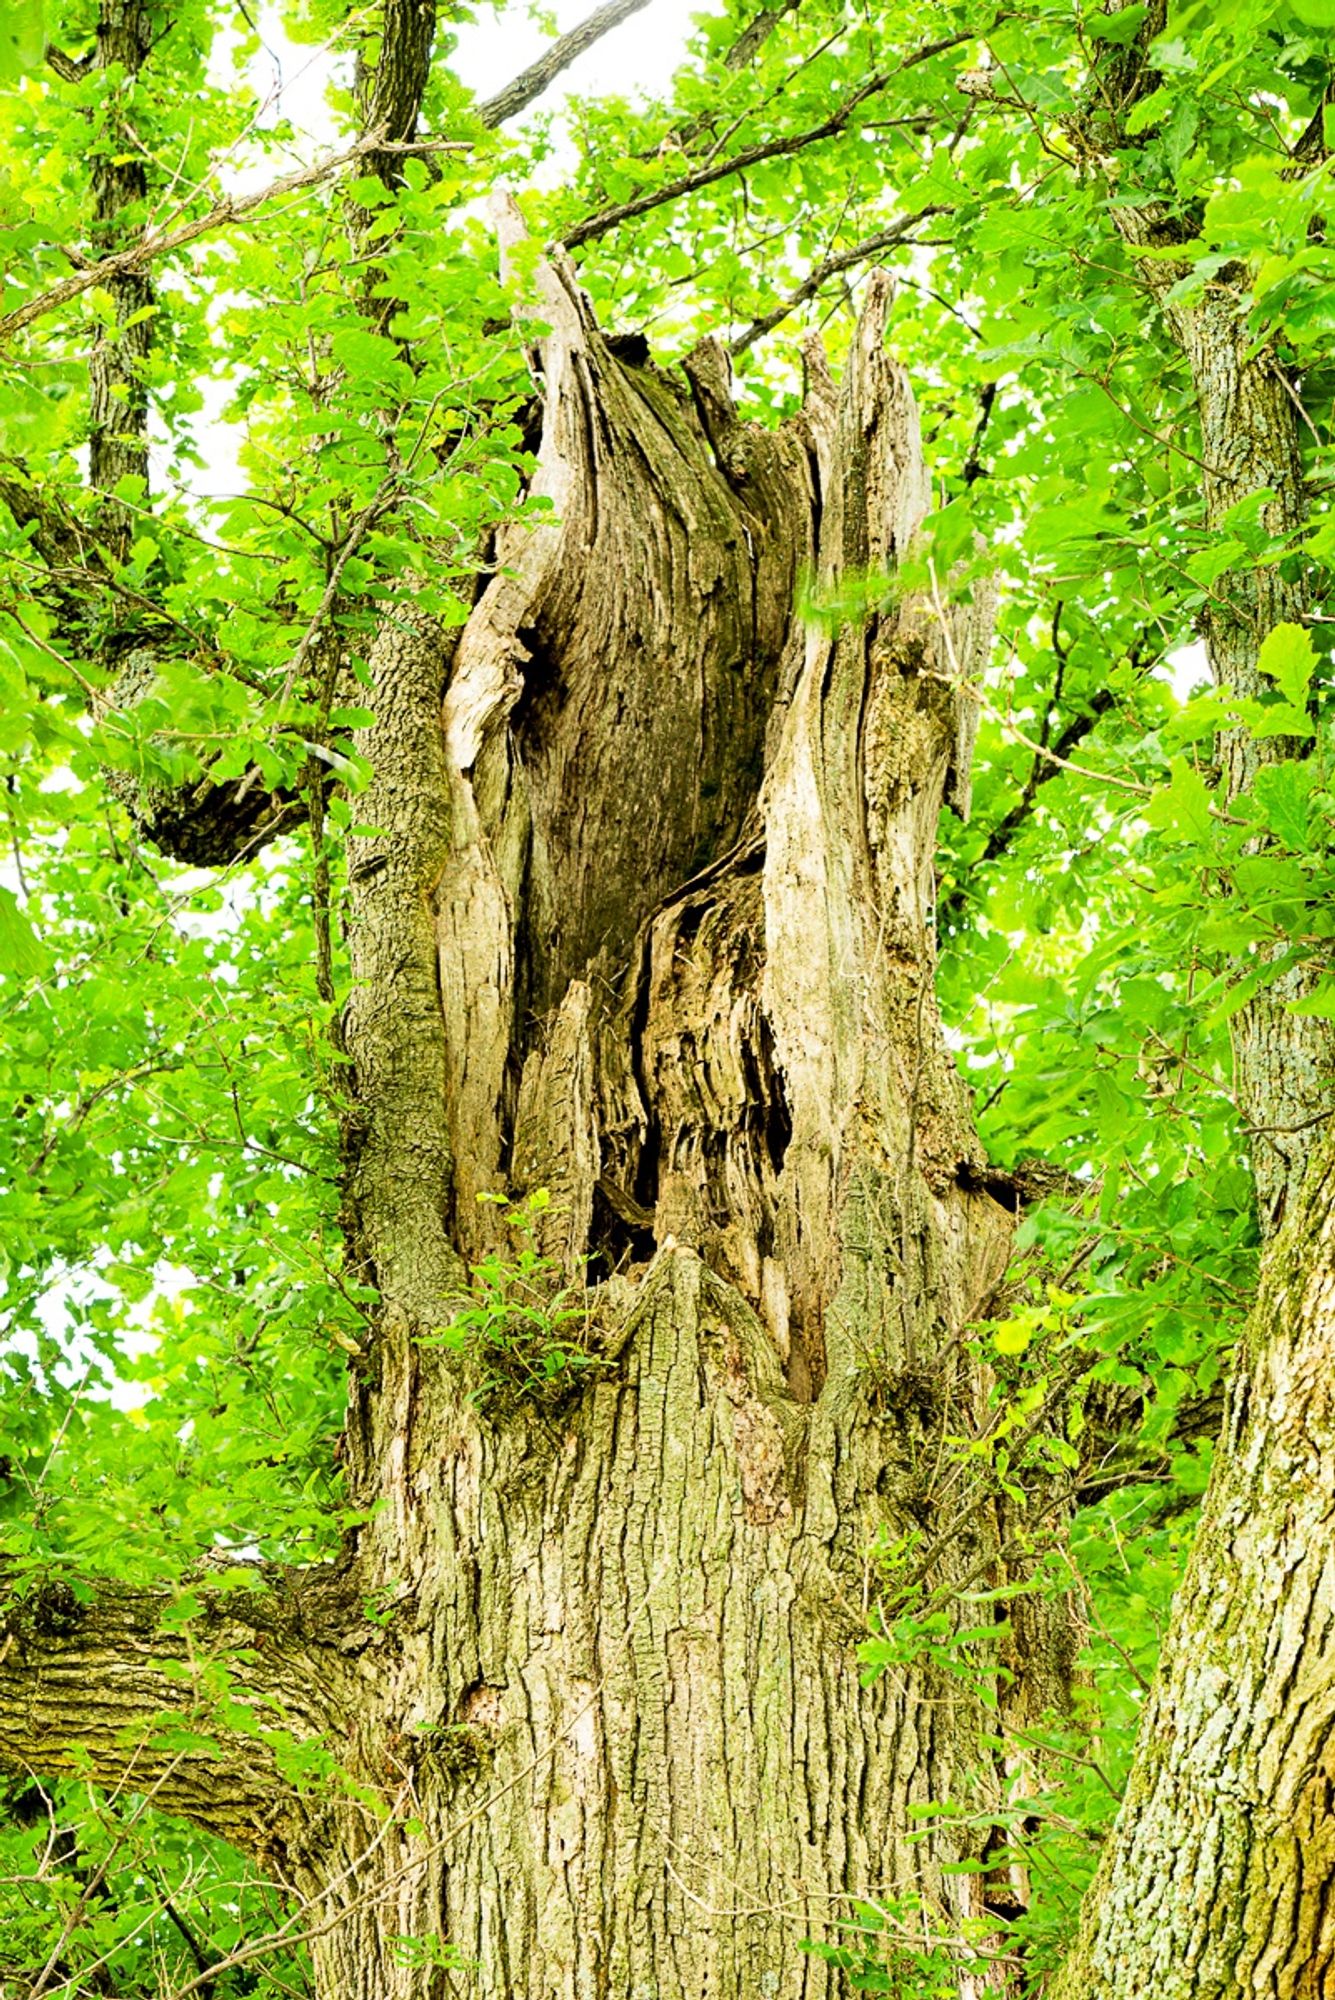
pixel 1251 421
pixel 117 383
pixel 1218 1881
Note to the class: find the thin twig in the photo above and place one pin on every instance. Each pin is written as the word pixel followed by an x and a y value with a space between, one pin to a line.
pixel 842 260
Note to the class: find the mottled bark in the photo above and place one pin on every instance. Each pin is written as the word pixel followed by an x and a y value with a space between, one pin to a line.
pixel 117 387
pixel 1218 1882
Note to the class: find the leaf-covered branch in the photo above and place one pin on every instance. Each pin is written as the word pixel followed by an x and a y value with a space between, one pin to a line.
pixel 783 147
pixel 234 208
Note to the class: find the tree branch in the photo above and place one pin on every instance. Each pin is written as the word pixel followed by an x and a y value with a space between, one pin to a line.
pixel 757 32
pixel 160 243
pixel 606 219
pixel 843 260
pixel 743 51
pixel 121 1689
pixel 539 76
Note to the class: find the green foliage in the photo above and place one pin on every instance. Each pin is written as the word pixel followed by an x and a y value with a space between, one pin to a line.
pixel 178 1311
pixel 902 1947
pixel 429 1952
pixel 528 1335
pixel 117 1896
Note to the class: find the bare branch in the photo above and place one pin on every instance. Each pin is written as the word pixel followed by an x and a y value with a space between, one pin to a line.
pixel 70 69
pixel 843 260
pixel 539 76
pixel 757 32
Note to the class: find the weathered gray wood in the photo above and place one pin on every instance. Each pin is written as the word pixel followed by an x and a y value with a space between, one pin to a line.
pixel 648 921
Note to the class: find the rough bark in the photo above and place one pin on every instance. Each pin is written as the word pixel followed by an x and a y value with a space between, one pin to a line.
pixel 627 1665
pixel 1218 1881
pixel 147 1690
pixel 684 928
pixel 648 922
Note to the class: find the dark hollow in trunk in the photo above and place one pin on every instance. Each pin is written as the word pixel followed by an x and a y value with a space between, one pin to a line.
pixel 648 922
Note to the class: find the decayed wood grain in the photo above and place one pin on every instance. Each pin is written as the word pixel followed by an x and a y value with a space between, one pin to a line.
pixel 648 921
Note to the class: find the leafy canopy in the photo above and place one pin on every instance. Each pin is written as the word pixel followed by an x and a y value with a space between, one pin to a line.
pixel 338 404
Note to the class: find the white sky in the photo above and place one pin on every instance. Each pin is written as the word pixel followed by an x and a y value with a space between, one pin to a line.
pixel 290 80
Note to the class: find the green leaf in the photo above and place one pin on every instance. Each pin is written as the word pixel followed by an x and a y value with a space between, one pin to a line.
pixel 367 356
pixel 22 39
pixel 1288 658
pixel 1181 806
pixel 1284 791
pixel 1120 27
pixel 21 955
pixel 1321 1002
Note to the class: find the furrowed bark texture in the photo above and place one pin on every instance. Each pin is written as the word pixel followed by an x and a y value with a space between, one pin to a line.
pixel 1218 1881
pixel 649 924
pixel 138 1689
pixel 647 921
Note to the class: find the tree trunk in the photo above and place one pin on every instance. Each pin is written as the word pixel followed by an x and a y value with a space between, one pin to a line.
pixel 626 1667
pixel 673 863
pixel 648 922
pixel 1251 421
pixel 1218 1883
pixel 1218 1879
